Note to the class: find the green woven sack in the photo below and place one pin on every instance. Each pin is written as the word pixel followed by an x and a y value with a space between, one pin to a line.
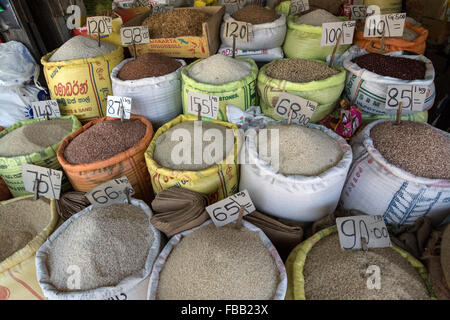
pixel 325 92
pixel 284 7
pixel 11 167
pixel 303 41
pixel 240 93
pixel 418 117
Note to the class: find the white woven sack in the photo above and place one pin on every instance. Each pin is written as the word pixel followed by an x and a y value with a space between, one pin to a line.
pixel 263 55
pixel 296 198
pixel 158 98
pixel 131 288
pixel 376 187
pixel 265 35
pixel 368 90
pixel 159 263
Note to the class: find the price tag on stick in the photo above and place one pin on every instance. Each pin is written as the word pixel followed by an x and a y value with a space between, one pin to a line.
pixel 134 35
pixel 298 6
pixel 359 12
pixel 119 107
pixel 302 109
pixel 161 8
pixel 358 230
pixel 412 97
pixel 391 24
pixel 241 31
pixel 209 105
pixel 227 210
pixel 111 192
pixel 42 181
pixel 45 109
pixel 99 25
pixel 331 31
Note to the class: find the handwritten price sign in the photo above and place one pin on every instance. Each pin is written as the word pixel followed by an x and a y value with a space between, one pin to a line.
pixel 302 109
pixel 391 24
pixel 44 109
pixel 48 180
pixel 209 105
pixel 115 104
pixel 412 97
pixel 110 192
pixel 227 210
pixel 99 25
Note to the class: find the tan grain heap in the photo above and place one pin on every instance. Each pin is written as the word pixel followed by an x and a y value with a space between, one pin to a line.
pixel 302 151
pixel 299 70
pixel 20 222
pixel 333 274
pixel 219 264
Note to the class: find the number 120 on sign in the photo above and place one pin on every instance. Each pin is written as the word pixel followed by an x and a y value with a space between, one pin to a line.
pixel 242 31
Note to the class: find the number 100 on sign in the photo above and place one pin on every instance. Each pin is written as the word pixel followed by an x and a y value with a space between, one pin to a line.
pixel 332 30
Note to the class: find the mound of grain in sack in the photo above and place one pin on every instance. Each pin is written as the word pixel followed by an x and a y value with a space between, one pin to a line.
pixel 219 69
pixel 148 65
pixel 176 23
pixel 299 70
pixel 104 140
pixel 20 222
pixel 80 47
pixel 34 137
pixel 221 264
pixel 316 18
pixel 334 274
pixel 415 147
pixel 107 244
pixel 396 67
pixel 167 150
pixel 302 151
pixel 255 14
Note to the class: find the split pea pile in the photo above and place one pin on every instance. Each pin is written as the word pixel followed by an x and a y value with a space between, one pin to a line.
pixel 299 70
pixel 34 137
pixel 333 274
pixel 107 244
pixel 20 222
pixel 417 148
pixel 219 264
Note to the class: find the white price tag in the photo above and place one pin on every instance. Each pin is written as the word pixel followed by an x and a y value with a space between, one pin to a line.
pixel 227 210
pixel 134 35
pixel 392 25
pixel 49 180
pixel 359 12
pixel 331 31
pixel 372 228
pixel 99 25
pixel 298 6
pixel 241 30
pixel 108 193
pixel 209 104
pixel 302 109
pixel 114 107
pixel 44 109
pixel 161 8
pixel 412 97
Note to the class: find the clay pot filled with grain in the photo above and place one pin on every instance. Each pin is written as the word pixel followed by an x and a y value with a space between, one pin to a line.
pixel 401 171
pixel 302 168
pixel 153 82
pixel 107 149
pixel 197 155
pixel 320 270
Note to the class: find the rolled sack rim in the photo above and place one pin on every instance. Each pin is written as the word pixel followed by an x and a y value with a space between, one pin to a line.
pixel 280 22
pixel 306 28
pixel 316 85
pixel 140 147
pixel 314 183
pixel 152 165
pixel 148 81
pixel 396 171
pixel 370 76
pixel 197 86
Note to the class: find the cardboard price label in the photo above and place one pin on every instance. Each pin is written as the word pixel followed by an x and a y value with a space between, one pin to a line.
pixel 111 192
pixel 359 12
pixel 114 107
pixel 242 31
pixel 412 97
pixel 45 109
pixel 99 25
pixel 298 6
pixel 134 35
pixel 227 210
pixel 391 24
pixel 331 31
pixel 302 109
pixel 161 8
pixel 209 105
pixel 48 180
pixel 371 228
